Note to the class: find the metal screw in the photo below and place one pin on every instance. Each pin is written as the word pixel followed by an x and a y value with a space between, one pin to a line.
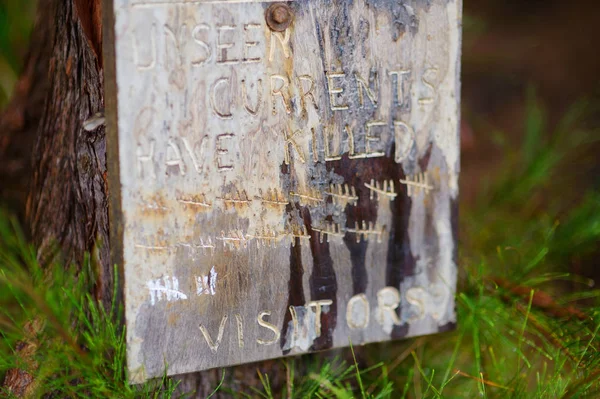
pixel 279 16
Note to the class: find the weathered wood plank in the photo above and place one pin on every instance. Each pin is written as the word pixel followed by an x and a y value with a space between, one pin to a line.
pixel 286 191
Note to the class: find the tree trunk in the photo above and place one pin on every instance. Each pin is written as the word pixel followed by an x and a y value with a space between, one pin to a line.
pixel 53 172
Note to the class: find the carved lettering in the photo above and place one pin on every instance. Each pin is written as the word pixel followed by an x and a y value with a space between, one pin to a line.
pixel 313 143
pixel 280 91
pixel 239 144
pixel 155 204
pixel 289 143
pixel 335 91
pixel 248 45
pixel 297 234
pixel 222 46
pixel 214 345
pixel 326 144
pixel 196 37
pixel 318 305
pixel 233 240
pixel 416 297
pixel 207 284
pixel 350 133
pixel 238 199
pixel 370 138
pixel 159 247
pixel 381 190
pixel 295 325
pixel 367 230
pixel 432 302
pixel 364 86
pixel 272 197
pixel 151 63
pixel 342 194
pixel 266 237
pixel 259 91
pixel 223 165
pixel 308 94
pixel 166 288
pixel 416 184
pixel 261 322
pixel 198 200
pixel 308 198
pixel 216 105
pixel 426 79
pixel 173 157
pixel 205 247
pixel 357 312
pixel 284 40
pixel 329 229
pixel 440 295
pixel 196 158
pixel 240 330
pixel 143 158
pixel 176 42
pixel 404 138
pixel 388 300
pixel 399 78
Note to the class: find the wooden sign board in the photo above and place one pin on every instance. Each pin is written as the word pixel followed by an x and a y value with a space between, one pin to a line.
pixel 284 176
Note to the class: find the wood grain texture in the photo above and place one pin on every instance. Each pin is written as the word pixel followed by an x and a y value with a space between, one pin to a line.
pixel 282 193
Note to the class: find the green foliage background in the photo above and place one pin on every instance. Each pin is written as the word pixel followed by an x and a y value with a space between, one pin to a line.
pixel 528 326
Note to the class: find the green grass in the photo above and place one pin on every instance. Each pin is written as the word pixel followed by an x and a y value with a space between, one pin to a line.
pixel 528 327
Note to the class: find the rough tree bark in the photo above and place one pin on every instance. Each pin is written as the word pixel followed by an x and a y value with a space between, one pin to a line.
pixel 53 172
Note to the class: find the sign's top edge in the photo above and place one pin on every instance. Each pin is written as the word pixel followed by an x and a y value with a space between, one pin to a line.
pixel 167 3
